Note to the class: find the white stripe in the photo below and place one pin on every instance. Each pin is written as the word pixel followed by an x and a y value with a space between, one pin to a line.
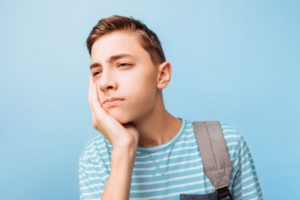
pixel 90 179
pixel 173 194
pixel 91 186
pixel 92 193
pixel 169 158
pixel 169 180
pixel 166 166
pixel 249 193
pixel 96 172
pixel 244 187
pixel 189 130
pixel 169 172
pixel 230 130
pixel 185 141
pixel 232 144
pixel 246 172
pixel 168 151
pixel 85 165
pixel 231 136
pixel 169 187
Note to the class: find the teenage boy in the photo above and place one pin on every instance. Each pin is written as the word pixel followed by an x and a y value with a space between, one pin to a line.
pixel 143 151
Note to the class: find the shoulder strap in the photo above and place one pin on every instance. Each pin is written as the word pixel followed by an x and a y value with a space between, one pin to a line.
pixel 214 154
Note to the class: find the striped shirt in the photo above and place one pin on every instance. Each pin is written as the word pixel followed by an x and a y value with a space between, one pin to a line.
pixel 168 170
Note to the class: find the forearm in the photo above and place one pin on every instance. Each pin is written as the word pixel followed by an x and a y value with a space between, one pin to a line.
pixel 119 180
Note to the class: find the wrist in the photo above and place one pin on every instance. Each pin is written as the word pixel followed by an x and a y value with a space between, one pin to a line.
pixel 124 150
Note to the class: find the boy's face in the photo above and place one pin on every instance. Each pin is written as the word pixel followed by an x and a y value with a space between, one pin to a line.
pixel 123 69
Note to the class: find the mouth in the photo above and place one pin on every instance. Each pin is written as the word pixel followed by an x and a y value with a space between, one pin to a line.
pixel 112 102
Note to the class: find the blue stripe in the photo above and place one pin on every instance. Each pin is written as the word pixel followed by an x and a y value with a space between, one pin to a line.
pixel 169 171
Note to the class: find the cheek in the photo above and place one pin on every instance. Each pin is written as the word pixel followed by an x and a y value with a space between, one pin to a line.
pixel 142 93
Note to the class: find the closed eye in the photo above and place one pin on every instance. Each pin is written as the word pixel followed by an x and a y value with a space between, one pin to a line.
pixel 124 64
pixel 119 65
pixel 95 73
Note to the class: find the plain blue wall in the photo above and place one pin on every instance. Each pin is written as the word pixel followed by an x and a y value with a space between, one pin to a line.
pixel 236 61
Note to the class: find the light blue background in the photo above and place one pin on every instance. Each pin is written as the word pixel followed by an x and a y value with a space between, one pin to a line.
pixel 235 61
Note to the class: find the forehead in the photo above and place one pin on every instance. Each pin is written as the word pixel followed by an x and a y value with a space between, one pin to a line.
pixel 118 42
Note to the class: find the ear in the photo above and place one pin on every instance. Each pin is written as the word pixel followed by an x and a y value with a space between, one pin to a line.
pixel 164 74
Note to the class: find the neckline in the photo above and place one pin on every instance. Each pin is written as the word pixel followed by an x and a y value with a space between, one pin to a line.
pixel 167 144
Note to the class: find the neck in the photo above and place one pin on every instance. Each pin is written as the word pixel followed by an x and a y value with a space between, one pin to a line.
pixel 157 126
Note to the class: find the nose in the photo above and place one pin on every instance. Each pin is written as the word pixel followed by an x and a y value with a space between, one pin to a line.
pixel 107 81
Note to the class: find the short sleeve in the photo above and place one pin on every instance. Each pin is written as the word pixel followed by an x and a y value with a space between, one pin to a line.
pixel 245 181
pixel 93 172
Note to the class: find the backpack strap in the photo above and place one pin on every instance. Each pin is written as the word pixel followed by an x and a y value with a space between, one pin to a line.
pixel 214 154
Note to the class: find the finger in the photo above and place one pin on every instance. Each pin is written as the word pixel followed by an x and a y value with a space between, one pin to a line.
pixel 90 92
pixel 91 104
pixel 93 96
pixel 95 100
pixel 91 107
pixel 98 95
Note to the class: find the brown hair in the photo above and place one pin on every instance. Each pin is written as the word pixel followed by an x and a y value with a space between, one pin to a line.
pixel 147 38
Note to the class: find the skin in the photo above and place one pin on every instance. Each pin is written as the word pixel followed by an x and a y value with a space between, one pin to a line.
pixel 141 119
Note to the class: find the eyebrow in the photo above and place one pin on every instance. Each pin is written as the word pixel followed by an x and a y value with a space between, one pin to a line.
pixel 111 59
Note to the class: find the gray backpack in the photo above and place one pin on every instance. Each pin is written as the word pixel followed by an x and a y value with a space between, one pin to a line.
pixel 215 157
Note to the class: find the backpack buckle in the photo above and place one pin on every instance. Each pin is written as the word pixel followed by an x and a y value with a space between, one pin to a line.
pixel 224 194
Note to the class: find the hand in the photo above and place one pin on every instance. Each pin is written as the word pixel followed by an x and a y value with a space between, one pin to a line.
pixel 118 134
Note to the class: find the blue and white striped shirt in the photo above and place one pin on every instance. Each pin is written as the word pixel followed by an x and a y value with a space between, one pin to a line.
pixel 168 170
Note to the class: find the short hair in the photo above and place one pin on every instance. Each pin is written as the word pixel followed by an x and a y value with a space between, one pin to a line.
pixel 147 38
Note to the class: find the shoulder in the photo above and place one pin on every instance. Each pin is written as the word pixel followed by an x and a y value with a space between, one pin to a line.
pixel 95 148
pixel 235 141
pixel 232 134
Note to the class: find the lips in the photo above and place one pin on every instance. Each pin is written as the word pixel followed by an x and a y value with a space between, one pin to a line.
pixel 112 101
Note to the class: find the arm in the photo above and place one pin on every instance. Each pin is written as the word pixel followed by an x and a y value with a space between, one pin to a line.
pixel 124 140
pixel 246 184
pixel 118 184
pixel 92 173
pixel 96 181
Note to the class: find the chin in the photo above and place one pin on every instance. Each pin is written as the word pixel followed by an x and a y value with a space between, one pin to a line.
pixel 121 118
